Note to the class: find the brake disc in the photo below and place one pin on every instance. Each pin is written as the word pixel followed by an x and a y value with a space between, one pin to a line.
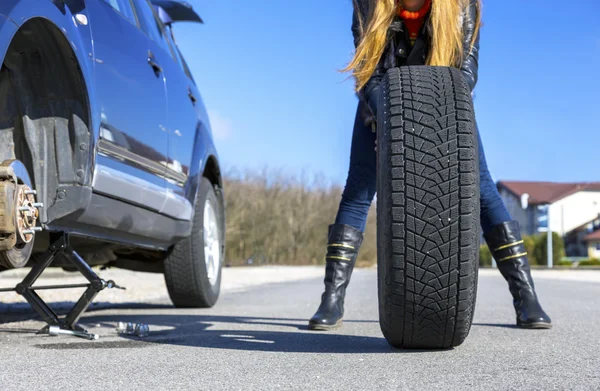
pixel 19 213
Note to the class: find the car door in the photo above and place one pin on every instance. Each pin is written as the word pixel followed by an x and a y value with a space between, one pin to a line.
pixel 183 108
pixel 130 89
pixel 182 120
pixel 181 86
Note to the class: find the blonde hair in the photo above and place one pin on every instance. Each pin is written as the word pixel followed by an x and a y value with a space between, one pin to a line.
pixel 446 35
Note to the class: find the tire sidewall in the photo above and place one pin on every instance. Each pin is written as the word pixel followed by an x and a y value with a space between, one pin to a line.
pixel 206 193
pixel 383 205
pixel 17 257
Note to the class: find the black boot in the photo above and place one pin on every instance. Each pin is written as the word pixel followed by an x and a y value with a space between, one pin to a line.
pixel 344 242
pixel 508 250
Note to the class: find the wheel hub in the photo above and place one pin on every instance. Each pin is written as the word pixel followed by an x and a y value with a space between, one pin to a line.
pixel 27 214
pixel 212 243
pixel 19 211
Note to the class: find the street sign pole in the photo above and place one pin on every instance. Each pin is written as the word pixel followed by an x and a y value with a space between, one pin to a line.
pixel 549 241
pixel 543 219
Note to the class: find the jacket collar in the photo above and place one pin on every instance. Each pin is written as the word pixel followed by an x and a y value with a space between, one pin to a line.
pixel 418 53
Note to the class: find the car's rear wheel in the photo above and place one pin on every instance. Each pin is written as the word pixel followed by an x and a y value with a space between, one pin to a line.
pixel 193 268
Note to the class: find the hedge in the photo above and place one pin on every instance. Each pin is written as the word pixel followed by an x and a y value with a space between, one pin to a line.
pixel 536 247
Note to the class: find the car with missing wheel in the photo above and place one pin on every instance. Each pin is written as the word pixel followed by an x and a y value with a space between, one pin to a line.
pixel 104 136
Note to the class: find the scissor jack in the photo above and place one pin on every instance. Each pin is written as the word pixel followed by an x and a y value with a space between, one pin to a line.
pixel 68 325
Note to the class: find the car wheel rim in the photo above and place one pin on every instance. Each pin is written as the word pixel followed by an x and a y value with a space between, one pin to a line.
pixel 212 243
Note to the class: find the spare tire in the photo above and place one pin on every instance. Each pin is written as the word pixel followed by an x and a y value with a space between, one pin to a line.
pixel 427 208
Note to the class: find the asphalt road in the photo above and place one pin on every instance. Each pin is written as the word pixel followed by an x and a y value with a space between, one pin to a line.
pixel 256 338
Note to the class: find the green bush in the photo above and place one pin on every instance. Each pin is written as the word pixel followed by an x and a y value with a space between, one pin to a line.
pixel 529 243
pixel 590 262
pixel 485 256
pixel 564 262
pixel 540 254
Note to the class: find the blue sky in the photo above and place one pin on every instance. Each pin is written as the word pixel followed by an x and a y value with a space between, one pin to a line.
pixel 268 74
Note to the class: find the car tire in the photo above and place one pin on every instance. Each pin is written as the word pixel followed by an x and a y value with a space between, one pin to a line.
pixel 427 208
pixel 17 257
pixel 192 269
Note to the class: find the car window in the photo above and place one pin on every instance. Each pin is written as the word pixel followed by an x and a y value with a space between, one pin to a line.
pixel 124 7
pixel 151 25
pixel 178 56
pixel 184 65
pixel 169 38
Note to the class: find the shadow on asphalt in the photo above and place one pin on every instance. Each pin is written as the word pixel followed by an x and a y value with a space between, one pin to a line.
pixel 196 331
pixel 193 330
pixel 21 312
pixel 506 326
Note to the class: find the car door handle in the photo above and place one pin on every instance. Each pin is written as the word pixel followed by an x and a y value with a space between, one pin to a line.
pixel 191 96
pixel 157 68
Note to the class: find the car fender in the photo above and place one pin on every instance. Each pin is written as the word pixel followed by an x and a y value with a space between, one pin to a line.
pixel 7 30
pixel 204 151
pixel 76 30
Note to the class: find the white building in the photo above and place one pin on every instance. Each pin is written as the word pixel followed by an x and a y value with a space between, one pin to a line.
pixel 570 209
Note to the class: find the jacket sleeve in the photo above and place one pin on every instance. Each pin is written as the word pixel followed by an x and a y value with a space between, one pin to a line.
pixel 370 92
pixel 470 65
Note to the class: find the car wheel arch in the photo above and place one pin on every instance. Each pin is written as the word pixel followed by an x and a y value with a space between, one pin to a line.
pixel 50 82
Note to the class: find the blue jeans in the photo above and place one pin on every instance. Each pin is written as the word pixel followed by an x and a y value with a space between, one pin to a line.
pixel 362 181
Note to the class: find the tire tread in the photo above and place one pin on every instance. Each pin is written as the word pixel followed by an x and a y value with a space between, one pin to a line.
pixel 428 208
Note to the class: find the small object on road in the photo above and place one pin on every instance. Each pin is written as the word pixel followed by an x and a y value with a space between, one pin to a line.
pixel 121 327
pixel 55 331
pixel 125 328
pixel 142 330
pixel 138 329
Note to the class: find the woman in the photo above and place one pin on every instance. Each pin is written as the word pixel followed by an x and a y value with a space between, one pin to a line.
pixel 388 33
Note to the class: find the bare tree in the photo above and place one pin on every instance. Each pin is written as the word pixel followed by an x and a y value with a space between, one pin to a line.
pixel 279 218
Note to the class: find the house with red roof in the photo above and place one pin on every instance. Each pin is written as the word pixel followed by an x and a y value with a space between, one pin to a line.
pixel 570 209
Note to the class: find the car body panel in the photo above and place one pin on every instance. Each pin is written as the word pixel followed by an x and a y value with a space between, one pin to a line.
pixel 131 96
pixel 78 36
pixel 186 119
pixel 147 209
pixel 110 220
pixel 7 30
pixel 61 14
pixel 182 120
pixel 204 150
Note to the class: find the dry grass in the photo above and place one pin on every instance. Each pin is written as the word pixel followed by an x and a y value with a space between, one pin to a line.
pixel 277 218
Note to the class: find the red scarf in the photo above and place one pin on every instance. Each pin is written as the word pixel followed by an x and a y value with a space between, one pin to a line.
pixel 414 20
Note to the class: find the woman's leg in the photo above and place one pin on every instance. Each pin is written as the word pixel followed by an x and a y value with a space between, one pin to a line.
pixel 346 234
pixel 504 239
pixel 362 176
pixel 493 210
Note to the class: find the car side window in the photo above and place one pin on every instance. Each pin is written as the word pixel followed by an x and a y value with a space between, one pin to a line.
pixel 185 66
pixel 123 7
pixel 176 53
pixel 151 25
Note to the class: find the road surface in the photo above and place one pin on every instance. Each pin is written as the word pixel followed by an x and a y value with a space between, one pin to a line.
pixel 256 339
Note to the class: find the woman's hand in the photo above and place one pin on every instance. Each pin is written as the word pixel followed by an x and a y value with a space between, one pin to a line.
pixel 367 116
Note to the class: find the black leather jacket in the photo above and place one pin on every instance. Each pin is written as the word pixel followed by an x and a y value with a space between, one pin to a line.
pixel 399 53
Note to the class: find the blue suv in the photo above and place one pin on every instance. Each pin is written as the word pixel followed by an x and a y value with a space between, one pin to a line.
pixel 104 136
